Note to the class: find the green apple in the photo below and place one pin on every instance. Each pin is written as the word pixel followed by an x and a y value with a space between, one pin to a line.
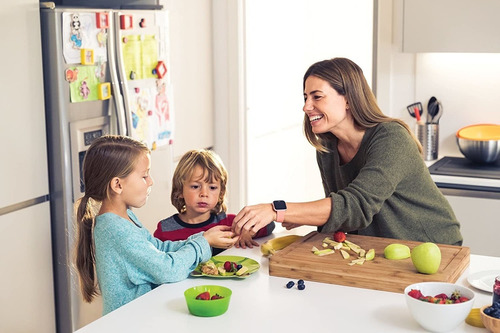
pixel 426 258
pixel 396 251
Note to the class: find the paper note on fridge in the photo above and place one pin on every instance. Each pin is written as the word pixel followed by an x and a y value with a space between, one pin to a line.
pixel 140 56
pixel 80 31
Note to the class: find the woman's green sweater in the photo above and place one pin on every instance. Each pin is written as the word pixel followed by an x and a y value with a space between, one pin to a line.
pixel 386 190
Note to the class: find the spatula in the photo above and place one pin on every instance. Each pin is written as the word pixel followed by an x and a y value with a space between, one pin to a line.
pixel 415 110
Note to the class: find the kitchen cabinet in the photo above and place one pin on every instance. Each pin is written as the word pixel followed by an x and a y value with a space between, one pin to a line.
pixel 451 26
pixel 479 223
pixel 26 286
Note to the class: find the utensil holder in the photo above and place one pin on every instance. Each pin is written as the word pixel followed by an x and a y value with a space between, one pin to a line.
pixel 428 135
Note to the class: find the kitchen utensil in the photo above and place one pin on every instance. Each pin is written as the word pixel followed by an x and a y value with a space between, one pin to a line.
pixel 415 110
pixel 480 143
pixel 431 109
pixel 296 261
pixel 438 113
pixel 428 135
pixel 439 317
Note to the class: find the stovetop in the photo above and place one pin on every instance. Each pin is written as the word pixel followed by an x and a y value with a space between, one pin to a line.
pixel 462 167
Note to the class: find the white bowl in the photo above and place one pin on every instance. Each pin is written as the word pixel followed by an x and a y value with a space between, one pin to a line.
pixel 439 317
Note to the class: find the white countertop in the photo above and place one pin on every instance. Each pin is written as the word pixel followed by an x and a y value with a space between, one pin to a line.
pixel 262 302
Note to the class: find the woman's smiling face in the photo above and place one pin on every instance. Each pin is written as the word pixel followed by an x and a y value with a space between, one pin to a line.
pixel 323 105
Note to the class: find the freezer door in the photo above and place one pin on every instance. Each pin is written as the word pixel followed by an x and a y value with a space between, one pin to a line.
pixel 142 57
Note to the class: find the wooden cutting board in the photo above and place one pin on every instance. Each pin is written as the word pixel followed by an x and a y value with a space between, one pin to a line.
pixel 298 262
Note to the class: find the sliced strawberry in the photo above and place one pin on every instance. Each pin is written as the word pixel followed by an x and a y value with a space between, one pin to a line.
pixel 205 296
pixel 339 236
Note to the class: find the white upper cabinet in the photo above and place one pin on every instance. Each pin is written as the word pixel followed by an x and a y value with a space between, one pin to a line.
pixel 451 26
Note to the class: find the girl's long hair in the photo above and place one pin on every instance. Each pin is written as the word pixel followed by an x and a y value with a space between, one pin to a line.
pixel 107 157
pixel 348 80
pixel 213 170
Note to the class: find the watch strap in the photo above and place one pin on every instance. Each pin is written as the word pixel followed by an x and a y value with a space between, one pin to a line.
pixel 280 216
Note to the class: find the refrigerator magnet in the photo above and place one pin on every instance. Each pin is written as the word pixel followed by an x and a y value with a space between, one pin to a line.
pixel 102 20
pixel 161 69
pixel 104 90
pixel 87 56
pixel 126 22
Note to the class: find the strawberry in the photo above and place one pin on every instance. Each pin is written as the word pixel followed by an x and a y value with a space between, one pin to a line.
pixel 216 296
pixel 339 236
pixel 227 266
pixel 415 293
pixel 442 295
pixel 205 296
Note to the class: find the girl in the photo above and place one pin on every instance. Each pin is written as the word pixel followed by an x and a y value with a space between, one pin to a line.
pixel 199 192
pixel 127 260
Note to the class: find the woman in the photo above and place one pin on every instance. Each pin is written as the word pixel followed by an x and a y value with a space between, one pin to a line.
pixel 375 180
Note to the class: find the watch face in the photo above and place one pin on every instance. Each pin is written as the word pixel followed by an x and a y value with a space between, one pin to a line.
pixel 279 205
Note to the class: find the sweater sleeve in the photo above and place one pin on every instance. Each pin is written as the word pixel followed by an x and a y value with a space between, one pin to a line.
pixel 149 260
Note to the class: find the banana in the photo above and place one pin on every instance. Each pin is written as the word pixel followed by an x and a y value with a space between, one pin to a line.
pixel 474 318
pixel 271 246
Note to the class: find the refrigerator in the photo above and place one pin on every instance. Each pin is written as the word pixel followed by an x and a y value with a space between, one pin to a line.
pixel 105 71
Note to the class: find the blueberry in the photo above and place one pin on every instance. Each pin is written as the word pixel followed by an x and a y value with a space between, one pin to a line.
pixel 496 305
pixel 290 284
pixel 300 282
pixel 489 310
pixel 238 266
pixel 301 286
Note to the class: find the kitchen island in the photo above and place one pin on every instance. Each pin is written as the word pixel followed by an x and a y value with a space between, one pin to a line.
pixel 262 302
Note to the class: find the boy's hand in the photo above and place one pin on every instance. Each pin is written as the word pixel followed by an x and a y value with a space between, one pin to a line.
pixel 220 237
pixel 245 240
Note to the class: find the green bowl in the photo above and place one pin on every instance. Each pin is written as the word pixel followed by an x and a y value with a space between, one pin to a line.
pixel 207 308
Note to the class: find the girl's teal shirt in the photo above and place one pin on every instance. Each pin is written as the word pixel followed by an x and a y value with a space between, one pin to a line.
pixel 130 261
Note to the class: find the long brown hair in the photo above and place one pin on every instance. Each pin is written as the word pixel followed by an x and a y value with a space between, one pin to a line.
pixel 213 169
pixel 348 80
pixel 107 157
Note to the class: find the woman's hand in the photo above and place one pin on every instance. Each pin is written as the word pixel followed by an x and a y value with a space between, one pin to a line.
pixel 245 240
pixel 220 237
pixel 253 218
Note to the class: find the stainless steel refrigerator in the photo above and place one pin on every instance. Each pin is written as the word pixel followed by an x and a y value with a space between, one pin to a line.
pixel 105 71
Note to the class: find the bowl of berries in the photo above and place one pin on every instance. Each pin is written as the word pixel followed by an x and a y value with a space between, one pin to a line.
pixel 207 300
pixel 439 306
pixel 490 315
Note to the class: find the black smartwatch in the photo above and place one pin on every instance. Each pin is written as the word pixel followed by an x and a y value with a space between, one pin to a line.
pixel 279 207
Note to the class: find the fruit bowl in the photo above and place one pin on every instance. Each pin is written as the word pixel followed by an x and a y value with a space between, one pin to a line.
pixel 491 323
pixel 209 307
pixel 480 143
pixel 439 317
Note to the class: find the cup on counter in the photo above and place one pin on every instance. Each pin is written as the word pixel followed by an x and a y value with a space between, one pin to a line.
pixel 428 135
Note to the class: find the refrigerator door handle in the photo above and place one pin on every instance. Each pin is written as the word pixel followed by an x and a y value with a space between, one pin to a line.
pixel 118 94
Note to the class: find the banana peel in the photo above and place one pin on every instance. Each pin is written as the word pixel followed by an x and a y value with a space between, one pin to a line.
pixel 271 246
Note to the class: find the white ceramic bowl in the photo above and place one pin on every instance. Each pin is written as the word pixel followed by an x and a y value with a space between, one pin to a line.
pixel 439 317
